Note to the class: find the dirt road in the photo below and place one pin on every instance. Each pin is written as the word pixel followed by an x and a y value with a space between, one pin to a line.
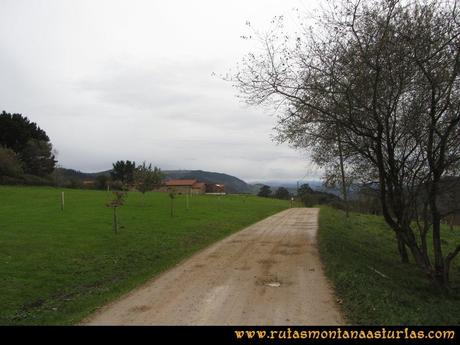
pixel 266 274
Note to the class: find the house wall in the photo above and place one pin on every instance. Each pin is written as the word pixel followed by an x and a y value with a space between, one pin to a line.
pixel 213 188
pixel 175 189
pixel 179 189
pixel 200 190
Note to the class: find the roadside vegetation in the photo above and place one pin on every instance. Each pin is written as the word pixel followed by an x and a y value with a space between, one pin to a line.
pixel 370 89
pixel 58 266
pixel 371 284
pixel 26 153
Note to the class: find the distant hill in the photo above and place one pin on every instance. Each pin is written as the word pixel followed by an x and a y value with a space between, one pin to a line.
pixel 79 175
pixel 255 188
pixel 290 183
pixel 291 186
pixel 232 183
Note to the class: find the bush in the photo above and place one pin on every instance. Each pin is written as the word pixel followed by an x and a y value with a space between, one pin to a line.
pixel 75 183
pixel 338 204
pixel 101 182
pixel 10 165
pixel 117 185
pixel 8 180
pixel 282 193
pixel 27 180
pixel 309 200
pixel 33 180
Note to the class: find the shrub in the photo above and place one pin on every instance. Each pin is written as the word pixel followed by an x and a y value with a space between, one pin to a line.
pixel 101 182
pixel 10 165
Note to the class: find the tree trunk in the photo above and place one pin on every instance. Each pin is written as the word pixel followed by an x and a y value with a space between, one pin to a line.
pixel 424 246
pixel 439 269
pixel 402 250
pixel 405 235
pixel 447 263
pixel 419 257
pixel 115 220
pixel 437 250
pixel 342 172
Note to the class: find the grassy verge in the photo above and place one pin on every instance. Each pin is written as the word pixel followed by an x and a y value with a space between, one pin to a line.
pixel 354 249
pixel 57 267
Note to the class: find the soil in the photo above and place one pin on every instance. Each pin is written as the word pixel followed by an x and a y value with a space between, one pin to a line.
pixel 269 273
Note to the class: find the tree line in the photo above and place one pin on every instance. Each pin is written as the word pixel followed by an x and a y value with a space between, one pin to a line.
pixel 27 157
pixel 123 176
pixel 305 194
pixel 126 174
pixel 280 193
pixel 26 153
pixel 372 90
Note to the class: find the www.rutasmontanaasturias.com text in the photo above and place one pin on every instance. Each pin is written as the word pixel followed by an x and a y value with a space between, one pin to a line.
pixel 340 333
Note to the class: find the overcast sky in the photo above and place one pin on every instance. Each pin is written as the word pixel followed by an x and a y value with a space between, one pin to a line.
pixel 116 80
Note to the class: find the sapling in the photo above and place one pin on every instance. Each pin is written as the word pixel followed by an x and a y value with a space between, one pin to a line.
pixel 172 196
pixel 117 201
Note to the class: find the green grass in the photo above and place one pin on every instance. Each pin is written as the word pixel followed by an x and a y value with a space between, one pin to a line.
pixel 57 267
pixel 351 249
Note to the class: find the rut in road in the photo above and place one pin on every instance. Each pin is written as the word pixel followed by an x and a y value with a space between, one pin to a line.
pixel 267 274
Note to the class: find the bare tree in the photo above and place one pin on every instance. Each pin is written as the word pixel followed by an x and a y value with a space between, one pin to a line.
pixel 374 85
pixel 172 196
pixel 117 201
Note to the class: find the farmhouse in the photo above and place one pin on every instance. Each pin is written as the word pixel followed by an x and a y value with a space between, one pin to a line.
pixel 191 186
pixel 184 187
pixel 214 188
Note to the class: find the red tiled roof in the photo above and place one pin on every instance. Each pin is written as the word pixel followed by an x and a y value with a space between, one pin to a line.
pixel 198 185
pixel 172 183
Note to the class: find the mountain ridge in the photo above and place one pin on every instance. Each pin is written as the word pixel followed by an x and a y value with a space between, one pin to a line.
pixel 232 183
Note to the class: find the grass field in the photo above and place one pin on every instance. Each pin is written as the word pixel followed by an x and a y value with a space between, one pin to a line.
pixel 352 249
pixel 56 267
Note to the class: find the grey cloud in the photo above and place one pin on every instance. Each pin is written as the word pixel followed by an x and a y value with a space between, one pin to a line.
pixel 140 91
pixel 175 92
